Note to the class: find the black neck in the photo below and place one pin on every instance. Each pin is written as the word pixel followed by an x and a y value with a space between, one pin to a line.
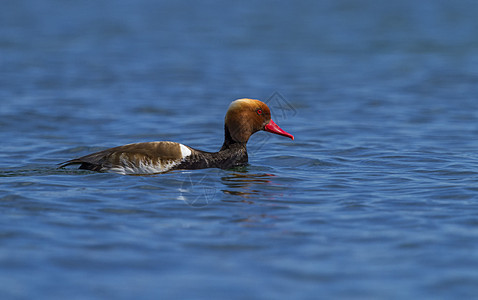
pixel 228 141
pixel 232 153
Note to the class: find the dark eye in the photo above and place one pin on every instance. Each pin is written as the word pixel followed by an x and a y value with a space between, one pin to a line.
pixel 259 111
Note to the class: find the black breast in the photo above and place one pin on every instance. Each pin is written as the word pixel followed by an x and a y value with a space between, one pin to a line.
pixel 230 157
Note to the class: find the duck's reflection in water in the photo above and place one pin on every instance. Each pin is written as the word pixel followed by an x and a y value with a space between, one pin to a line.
pixel 244 184
pixel 201 189
pixel 263 189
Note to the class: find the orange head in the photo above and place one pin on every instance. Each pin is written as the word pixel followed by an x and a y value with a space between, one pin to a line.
pixel 247 116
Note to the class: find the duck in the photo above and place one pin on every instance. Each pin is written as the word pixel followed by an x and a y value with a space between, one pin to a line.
pixel 244 117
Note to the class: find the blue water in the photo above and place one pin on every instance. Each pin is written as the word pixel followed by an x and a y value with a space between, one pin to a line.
pixel 377 196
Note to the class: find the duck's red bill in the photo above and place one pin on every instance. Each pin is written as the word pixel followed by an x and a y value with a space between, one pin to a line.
pixel 274 128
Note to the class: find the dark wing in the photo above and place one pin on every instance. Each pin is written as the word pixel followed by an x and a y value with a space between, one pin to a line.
pixel 131 156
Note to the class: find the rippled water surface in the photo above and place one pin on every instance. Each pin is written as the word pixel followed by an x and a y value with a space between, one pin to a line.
pixel 377 196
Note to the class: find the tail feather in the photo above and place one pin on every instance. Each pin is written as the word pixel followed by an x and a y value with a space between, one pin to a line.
pixel 83 165
pixel 75 161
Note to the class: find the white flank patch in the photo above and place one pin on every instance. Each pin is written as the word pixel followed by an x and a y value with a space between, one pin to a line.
pixel 185 151
pixel 128 167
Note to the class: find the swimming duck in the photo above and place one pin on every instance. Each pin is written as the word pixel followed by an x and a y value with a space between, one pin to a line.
pixel 243 118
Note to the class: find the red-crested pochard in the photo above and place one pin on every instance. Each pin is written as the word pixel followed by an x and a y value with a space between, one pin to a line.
pixel 243 118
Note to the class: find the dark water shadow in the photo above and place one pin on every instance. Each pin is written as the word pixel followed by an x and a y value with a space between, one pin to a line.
pixel 199 188
pixel 246 186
